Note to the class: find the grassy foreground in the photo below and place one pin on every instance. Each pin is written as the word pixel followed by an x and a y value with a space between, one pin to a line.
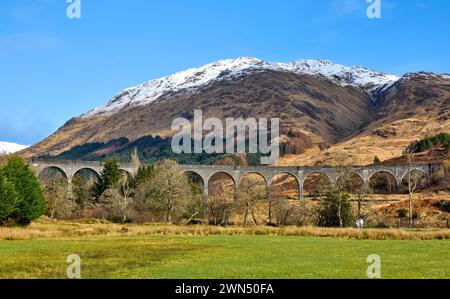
pixel 156 253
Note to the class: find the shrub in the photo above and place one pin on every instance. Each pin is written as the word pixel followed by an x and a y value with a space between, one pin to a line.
pixel 402 213
pixel 443 205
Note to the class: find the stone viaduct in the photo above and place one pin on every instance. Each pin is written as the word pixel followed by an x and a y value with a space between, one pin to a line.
pixel 268 173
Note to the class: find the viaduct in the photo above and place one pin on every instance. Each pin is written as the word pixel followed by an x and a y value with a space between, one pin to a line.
pixel 268 173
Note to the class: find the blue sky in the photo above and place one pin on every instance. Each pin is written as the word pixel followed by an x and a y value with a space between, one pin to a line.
pixel 53 68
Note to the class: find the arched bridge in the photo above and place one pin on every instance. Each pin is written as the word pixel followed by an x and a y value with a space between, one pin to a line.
pixel 70 168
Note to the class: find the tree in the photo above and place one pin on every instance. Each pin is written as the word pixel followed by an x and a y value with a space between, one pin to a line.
pixel 413 181
pixel 168 193
pixel 126 191
pixel 220 210
pixel 31 201
pixel 376 160
pixel 116 207
pixel 82 191
pixel 283 210
pixel 144 173
pixel 109 177
pixel 9 200
pixel 221 200
pixel 362 196
pixel 58 205
pixel 402 213
pixel 135 161
pixel 252 191
pixel 335 209
pixel 195 206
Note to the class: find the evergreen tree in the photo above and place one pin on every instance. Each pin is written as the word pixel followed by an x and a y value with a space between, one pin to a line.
pixel 335 209
pixel 109 177
pixel 8 199
pixel 143 174
pixel 31 201
pixel 376 160
pixel 81 192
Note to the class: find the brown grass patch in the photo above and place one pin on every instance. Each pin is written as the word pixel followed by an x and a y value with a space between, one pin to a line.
pixel 76 229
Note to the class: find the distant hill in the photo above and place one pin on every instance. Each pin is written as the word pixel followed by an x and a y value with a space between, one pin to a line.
pixel 10 148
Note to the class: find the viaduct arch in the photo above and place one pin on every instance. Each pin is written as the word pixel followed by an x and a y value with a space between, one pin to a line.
pixel 206 172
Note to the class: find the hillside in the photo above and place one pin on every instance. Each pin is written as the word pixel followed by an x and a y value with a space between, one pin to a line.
pixel 352 111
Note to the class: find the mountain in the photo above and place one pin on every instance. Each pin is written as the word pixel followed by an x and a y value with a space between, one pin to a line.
pixel 192 80
pixel 10 148
pixel 353 110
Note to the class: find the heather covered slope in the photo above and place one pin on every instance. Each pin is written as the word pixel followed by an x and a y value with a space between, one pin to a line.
pixel 416 106
pixel 327 110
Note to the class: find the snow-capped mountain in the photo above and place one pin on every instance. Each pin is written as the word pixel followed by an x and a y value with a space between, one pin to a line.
pixel 10 148
pixel 192 80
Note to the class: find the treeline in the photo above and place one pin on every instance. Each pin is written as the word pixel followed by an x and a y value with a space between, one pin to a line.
pixel 157 193
pixel 160 193
pixel 150 149
pixel 442 139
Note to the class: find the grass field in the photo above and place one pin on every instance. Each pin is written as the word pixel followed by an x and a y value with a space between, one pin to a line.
pixel 222 256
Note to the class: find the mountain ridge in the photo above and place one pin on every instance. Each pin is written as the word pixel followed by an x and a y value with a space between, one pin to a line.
pixel 191 80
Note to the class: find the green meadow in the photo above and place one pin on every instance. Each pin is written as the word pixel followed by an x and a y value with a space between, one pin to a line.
pixel 223 256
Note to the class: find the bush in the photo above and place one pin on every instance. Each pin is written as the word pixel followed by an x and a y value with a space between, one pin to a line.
pixel 443 205
pixel 402 213
pixel 30 199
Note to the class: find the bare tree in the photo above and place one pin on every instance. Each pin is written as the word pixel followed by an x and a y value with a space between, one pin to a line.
pixel 135 160
pixel 252 191
pixel 362 196
pixel 168 193
pixel 283 210
pixel 221 203
pixel 414 178
pixel 58 205
pixel 220 210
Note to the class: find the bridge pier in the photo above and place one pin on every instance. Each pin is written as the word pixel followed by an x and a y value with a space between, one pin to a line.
pixel 69 190
pixel 205 193
pixel 300 191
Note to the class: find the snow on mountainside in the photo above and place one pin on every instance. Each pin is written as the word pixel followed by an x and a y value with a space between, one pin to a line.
pixel 10 148
pixel 192 80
